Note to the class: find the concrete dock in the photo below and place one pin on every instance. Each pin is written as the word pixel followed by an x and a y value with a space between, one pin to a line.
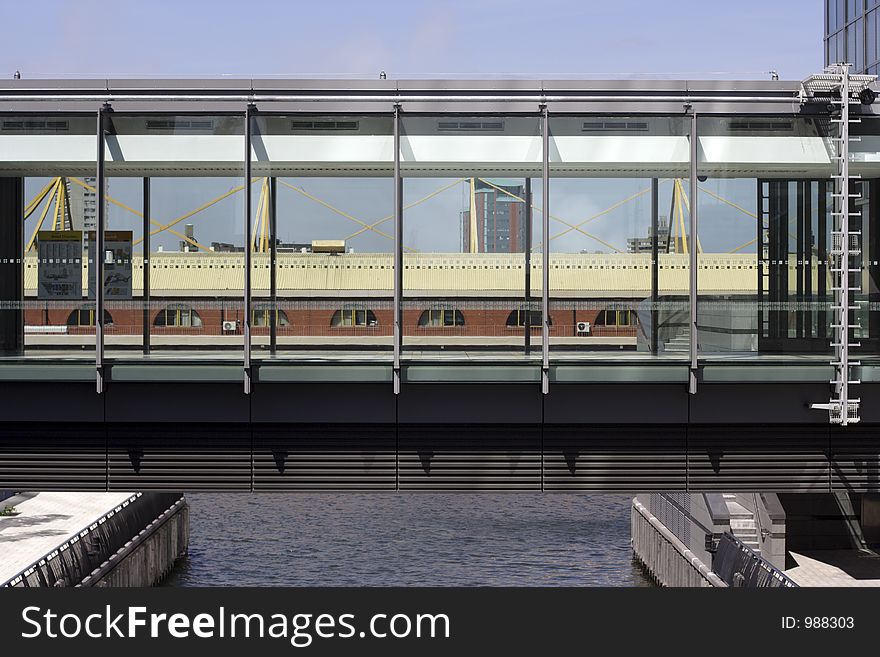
pixel 93 539
pixel 836 568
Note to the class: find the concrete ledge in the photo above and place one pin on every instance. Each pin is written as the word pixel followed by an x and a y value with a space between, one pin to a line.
pixel 668 560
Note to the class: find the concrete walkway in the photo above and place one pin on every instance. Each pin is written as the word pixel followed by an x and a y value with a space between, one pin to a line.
pixel 836 568
pixel 46 521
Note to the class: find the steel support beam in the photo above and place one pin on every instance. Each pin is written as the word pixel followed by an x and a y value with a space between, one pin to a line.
pixel 97 273
pixel 527 321
pixel 273 264
pixel 248 238
pixel 655 263
pixel 146 296
pixel 693 292
pixel 545 254
pixel 398 254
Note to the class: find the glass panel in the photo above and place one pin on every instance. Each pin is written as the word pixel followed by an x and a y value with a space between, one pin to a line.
pixel 607 299
pixel 764 208
pixel 871 38
pixel 865 161
pixel 328 181
pixel 46 161
pixel 192 260
pixel 467 185
pixel 859 56
pixel 850 52
pixel 855 8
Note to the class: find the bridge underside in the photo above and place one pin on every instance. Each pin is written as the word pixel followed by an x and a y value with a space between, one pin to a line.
pixel 360 436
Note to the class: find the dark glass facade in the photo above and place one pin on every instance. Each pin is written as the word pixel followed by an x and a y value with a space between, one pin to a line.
pixel 852 34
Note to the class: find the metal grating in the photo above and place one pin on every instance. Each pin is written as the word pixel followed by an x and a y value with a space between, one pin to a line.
pixel 50 457
pixel 743 458
pixel 296 457
pixel 612 458
pixel 179 457
pixel 470 457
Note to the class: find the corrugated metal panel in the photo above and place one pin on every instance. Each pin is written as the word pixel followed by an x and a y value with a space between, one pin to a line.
pixel 744 458
pixel 295 457
pixel 614 458
pixel 454 457
pixel 179 457
pixel 457 457
pixel 53 457
pixel 855 459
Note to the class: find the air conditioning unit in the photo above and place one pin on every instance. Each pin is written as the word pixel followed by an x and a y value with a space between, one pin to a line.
pixel 582 328
pixel 230 325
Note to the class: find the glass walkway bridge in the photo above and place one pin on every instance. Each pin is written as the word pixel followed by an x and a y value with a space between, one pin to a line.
pixel 270 284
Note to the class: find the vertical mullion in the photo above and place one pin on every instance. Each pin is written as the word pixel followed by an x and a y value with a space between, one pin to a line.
pixel 98 254
pixel 655 263
pixel 273 265
pixel 694 262
pixel 247 249
pixel 146 265
pixel 398 254
pixel 527 324
pixel 800 270
pixel 545 256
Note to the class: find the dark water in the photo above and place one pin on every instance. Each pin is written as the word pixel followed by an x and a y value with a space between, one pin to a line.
pixel 355 539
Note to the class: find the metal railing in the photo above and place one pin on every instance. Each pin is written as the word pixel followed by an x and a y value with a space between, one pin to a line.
pixel 738 565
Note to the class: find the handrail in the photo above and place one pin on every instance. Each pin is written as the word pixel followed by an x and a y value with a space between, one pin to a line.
pixel 740 566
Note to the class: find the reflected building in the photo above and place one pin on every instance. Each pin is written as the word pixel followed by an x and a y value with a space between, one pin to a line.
pixel 646 244
pixel 851 34
pixel 501 219
pixel 82 205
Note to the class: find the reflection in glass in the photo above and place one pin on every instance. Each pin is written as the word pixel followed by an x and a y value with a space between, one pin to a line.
pixel 174 224
pixel 323 239
pixel 619 237
pixel 764 279
pixel 46 269
pixel 471 186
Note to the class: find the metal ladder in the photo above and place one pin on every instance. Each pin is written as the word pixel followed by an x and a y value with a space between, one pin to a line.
pixel 845 256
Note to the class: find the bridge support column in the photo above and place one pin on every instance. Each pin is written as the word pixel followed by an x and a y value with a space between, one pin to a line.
pixel 11 266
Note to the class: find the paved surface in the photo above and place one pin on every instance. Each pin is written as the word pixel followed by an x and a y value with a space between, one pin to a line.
pixel 47 520
pixel 836 568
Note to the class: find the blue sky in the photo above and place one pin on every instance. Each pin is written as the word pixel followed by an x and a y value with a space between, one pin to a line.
pixel 675 38
pixel 552 38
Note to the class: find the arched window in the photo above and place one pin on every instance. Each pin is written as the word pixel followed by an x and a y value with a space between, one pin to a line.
pixel 178 314
pixel 261 316
pixel 354 317
pixel 625 317
pixel 85 316
pixel 437 317
pixel 518 318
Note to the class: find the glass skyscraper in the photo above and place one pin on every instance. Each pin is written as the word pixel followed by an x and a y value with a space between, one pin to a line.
pixel 851 34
